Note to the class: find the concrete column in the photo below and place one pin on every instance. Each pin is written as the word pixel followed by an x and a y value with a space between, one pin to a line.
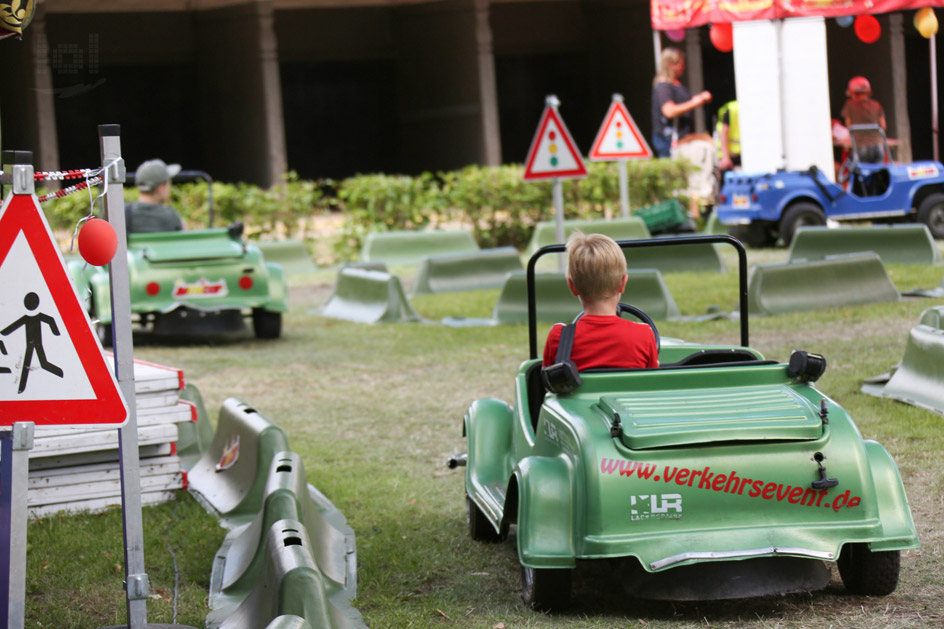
pixel 694 73
pixel 446 94
pixel 240 93
pixel 28 100
pixel 901 129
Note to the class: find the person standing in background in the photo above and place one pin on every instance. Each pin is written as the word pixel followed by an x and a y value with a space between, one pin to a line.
pixel 672 104
pixel 861 108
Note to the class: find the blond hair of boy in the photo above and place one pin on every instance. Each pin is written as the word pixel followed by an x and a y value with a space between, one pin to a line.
pixel 596 272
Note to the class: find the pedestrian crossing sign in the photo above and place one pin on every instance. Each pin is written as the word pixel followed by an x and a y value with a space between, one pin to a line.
pixel 52 367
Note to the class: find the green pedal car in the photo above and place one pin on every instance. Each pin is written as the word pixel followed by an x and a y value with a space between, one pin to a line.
pixel 198 282
pixel 719 474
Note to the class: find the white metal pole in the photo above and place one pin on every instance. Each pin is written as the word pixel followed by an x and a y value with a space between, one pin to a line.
pixel 136 579
pixel 557 192
pixel 15 445
pixel 935 137
pixel 624 188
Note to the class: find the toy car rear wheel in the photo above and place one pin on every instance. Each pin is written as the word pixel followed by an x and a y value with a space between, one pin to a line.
pixel 480 529
pixel 266 324
pixel 931 213
pixel 869 573
pixel 546 589
pixel 800 215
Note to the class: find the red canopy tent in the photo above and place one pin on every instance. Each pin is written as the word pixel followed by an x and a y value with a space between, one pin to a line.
pixel 678 14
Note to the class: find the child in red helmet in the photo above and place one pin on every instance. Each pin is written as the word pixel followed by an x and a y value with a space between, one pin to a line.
pixel 861 108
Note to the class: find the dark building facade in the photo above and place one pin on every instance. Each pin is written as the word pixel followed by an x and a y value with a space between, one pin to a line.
pixel 247 90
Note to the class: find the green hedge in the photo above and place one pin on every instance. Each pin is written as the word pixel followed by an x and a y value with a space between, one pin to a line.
pixel 494 202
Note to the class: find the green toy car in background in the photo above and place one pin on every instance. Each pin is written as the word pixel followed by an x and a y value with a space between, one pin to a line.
pixel 719 474
pixel 197 282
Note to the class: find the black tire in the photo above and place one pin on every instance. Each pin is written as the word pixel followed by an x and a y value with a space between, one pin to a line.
pixel 869 573
pixel 266 324
pixel 931 213
pixel 546 589
pixel 756 235
pixel 480 529
pixel 799 215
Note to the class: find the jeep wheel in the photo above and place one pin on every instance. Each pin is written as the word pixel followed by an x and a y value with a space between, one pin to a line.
pixel 480 529
pixel 931 213
pixel 266 324
pixel 546 589
pixel 799 215
pixel 755 235
pixel 869 573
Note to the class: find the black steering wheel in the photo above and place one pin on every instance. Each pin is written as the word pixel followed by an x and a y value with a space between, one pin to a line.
pixel 642 316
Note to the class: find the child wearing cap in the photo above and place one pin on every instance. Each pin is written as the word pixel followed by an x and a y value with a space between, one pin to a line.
pixel 596 275
pixel 150 213
pixel 861 108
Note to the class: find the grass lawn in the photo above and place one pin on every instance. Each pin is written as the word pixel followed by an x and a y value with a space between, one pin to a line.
pixel 374 412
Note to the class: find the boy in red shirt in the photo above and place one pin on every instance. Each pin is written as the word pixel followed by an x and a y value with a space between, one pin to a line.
pixel 596 275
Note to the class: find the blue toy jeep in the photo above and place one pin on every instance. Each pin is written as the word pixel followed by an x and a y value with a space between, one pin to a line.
pixel 759 208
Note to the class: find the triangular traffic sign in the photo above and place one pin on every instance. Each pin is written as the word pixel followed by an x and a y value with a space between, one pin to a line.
pixel 619 137
pixel 553 153
pixel 52 369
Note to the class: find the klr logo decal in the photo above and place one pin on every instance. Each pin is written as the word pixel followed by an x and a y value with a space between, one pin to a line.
pixel 656 507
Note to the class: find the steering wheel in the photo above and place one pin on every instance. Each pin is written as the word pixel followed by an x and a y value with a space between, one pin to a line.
pixel 642 316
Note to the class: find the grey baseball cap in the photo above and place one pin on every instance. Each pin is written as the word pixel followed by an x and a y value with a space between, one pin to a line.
pixel 153 173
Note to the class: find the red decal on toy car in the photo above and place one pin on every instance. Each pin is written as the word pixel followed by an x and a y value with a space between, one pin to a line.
pixel 730 483
pixel 922 171
pixel 200 288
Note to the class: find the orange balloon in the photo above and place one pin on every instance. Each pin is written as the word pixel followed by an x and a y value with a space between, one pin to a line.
pixel 867 28
pixel 722 37
pixel 926 22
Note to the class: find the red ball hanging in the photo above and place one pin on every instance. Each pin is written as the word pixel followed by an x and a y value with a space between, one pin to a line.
pixel 722 37
pixel 867 28
pixel 97 242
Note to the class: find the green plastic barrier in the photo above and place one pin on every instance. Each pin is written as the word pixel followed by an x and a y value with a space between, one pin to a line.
pixel 290 584
pixel 919 378
pixel 555 303
pixel 366 296
pixel 475 270
pixel 230 477
pixel 288 622
pixel 902 244
pixel 703 258
pixel 714 227
pixel 846 280
pixel 410 247
pixel 240 561
pixel 195 437
pixel 291 253
pixel 632 228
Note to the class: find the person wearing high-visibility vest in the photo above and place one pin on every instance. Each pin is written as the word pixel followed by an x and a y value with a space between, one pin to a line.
pixel 728 137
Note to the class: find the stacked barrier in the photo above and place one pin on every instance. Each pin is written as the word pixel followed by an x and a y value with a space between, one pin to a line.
pixel 410 247
pixel 291 253
pixel 700 258
pixel 366 296
pixel 901 244
pixel 632 228
pixel 919 378
pixel 714 227
pixel 645 289
pixel 475 270
pixel 290 551
pixel 847 280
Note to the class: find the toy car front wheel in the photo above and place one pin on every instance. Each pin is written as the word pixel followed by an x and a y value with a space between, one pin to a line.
pixel 931 213
pixel 480 529
pixel 799 215
pixel 546 589
pixel 266 324
pixel 869 573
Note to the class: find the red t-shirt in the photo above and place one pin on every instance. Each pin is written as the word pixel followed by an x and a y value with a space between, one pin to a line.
pixel 606 341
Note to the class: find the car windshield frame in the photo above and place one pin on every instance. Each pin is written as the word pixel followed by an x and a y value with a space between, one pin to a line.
pixel 632 244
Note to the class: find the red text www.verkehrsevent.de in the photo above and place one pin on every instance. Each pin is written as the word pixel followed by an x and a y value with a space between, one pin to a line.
pixel 729 483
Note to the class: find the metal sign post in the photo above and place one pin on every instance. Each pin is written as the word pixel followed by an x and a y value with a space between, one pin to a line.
pixel 136 579
pixel 14 479
pixel 624 187
pixel 557 193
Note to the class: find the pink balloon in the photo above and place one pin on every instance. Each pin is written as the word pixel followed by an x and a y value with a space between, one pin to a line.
pixel 676 35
